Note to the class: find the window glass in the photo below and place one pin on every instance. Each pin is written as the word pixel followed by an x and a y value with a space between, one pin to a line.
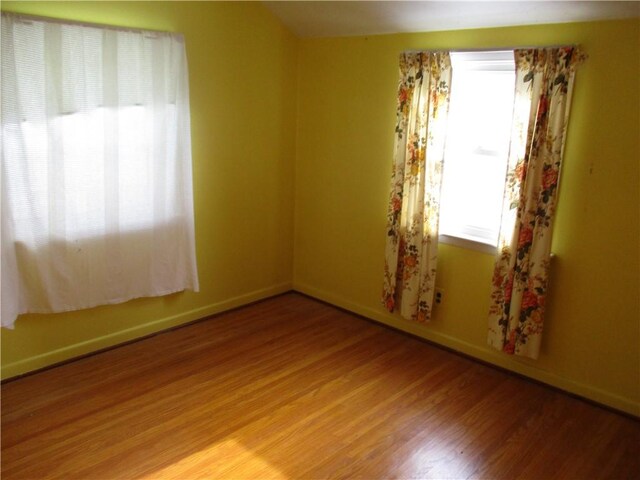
pixel 482 93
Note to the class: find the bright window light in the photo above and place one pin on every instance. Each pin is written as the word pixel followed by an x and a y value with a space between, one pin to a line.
pixel 83 170
pixel 482 95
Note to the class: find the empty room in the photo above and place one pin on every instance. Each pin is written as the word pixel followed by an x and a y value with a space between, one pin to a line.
pixel 317 240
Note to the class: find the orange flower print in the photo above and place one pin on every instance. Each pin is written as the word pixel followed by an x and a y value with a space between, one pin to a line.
pixel 389 303
pixel 529 300
pixel 411 148
pixel 410 261
pixel 396 204
pixel 536 316
pixel 543 106
pixel 508 290
pixel 526 237
pixel 498 278
pixel 541 300
pixel 520 171
pixel 549 178
pixel 403 95
pixel 510 346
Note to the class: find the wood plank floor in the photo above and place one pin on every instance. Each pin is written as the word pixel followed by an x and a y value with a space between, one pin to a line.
pixel 291 388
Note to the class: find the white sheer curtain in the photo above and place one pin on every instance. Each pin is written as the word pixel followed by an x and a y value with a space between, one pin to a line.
pixel 97 201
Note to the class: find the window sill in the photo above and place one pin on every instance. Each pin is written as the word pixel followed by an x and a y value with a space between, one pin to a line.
pixel 468 244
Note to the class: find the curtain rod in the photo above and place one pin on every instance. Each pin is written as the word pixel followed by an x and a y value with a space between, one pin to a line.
pixel 38 18
pixel 491 49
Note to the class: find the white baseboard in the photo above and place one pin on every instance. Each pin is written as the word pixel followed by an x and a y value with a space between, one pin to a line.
pixel 485 354
pixel 95 344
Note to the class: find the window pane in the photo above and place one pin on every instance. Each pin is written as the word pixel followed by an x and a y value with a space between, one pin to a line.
pixel 477 146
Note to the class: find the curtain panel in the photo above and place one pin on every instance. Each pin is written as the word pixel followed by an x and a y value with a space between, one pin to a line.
pixel 413 212
pixel 544 82
pixel 97 201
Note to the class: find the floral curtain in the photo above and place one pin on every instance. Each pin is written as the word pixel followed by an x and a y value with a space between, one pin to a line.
pixel 413 213
pixel 544 81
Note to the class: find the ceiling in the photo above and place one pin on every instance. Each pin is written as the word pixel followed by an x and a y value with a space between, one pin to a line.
pixel 350 18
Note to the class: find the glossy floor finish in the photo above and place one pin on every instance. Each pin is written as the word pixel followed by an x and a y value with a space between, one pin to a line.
pixel 290 388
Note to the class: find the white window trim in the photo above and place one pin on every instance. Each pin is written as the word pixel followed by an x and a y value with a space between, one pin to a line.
pixel 467 244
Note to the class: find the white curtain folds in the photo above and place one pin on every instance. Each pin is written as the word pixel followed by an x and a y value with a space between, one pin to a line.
pixel 97 201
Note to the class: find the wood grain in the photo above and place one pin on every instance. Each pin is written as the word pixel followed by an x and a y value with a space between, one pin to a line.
pixel 292 388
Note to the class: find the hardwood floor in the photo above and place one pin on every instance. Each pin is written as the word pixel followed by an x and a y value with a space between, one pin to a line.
pixel 290 388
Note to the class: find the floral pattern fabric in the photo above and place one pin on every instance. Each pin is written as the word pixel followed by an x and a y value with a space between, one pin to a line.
pixel 544 81
pixel 414 203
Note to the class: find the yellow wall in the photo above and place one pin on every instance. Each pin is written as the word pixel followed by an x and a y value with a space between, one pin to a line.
pixel 242 66
pixel 250 129
pixel 346 116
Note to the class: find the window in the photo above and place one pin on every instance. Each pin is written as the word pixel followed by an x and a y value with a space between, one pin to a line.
pixel 480 113
pixel 97 203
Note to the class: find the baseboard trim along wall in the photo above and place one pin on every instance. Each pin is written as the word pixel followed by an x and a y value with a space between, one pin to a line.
pixel 71 352
pixel 487 355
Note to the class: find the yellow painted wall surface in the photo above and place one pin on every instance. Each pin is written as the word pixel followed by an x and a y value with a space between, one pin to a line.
pixel 242 66
pixel 346 118
pixel 264 104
